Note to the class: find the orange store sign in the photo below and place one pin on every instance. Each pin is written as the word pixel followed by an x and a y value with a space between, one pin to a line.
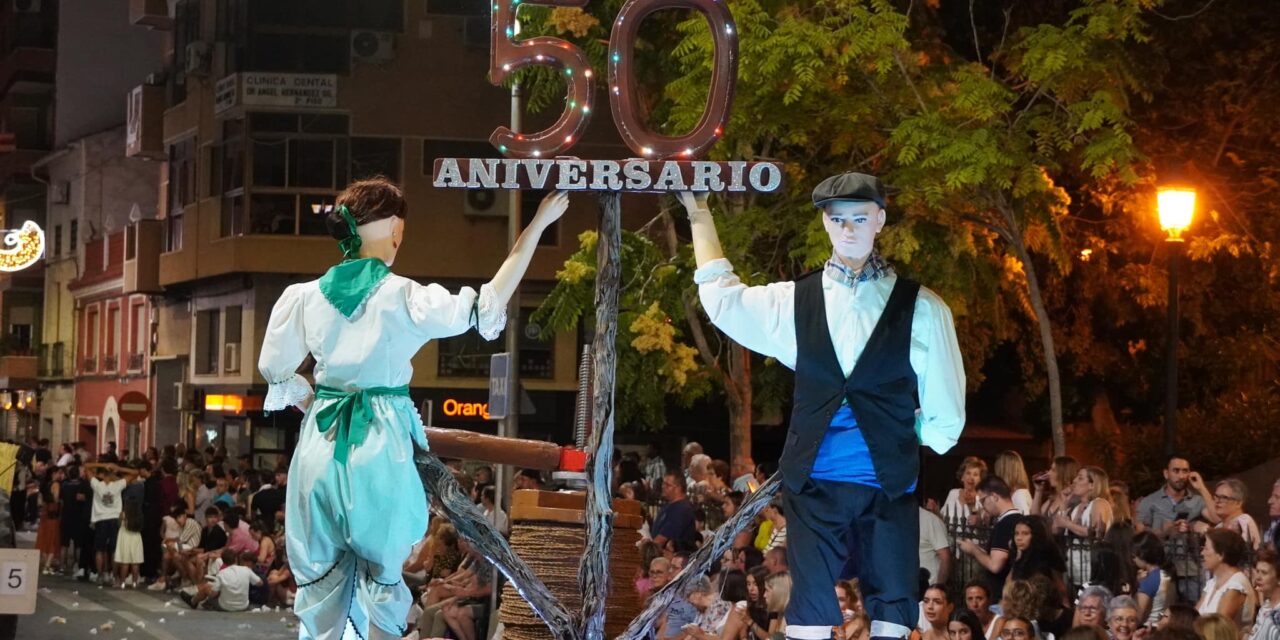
pixel 454 409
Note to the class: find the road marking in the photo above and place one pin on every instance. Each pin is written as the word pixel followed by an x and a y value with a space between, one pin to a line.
pixel 69 602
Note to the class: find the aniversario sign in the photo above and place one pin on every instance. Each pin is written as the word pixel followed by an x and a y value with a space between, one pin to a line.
pixel 636 175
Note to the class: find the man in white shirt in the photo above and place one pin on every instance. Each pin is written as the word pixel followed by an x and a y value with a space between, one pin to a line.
pixel 878 373
pixel 494 514
pixel 108 489
pixel 935 549
pixel 228 589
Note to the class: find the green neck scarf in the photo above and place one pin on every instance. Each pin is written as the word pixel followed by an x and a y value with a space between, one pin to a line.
pixel 347 285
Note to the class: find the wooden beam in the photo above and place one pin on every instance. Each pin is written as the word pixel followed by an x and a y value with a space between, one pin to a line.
pixel 531 454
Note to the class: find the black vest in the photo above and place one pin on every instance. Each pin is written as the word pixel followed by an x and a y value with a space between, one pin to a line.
pixel 881 390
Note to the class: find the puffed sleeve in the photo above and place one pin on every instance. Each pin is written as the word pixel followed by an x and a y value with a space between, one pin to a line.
pixel 935 356
pixel 760 318
pixel 436 313
pixel 283 349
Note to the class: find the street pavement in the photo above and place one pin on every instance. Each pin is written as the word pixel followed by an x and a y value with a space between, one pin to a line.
pixel 71 610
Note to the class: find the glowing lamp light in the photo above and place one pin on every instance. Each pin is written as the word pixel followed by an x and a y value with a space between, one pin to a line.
pixel 587 73
pixel 1176 206
pixel 648 151
pixel 22 247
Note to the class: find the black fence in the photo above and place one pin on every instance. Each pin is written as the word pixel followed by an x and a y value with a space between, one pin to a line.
pixel 1182 553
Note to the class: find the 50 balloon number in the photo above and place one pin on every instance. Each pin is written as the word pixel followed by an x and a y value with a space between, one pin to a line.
pixel 508 55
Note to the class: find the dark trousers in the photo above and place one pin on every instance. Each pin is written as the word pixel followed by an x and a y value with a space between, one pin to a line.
pixel 821 519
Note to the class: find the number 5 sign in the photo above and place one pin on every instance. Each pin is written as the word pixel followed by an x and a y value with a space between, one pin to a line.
pixel 507 55
pixel 19 569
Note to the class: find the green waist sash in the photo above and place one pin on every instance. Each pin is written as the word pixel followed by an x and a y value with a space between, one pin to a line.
pixel 352 414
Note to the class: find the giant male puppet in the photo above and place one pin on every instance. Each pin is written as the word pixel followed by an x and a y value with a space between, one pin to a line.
pixel 877 373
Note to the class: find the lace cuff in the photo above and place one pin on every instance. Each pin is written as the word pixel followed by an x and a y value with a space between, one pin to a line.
pixel 286 393
pixel 712 270
pixel 491 317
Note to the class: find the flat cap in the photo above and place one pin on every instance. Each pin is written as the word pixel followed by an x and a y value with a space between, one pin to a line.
pixel 854 186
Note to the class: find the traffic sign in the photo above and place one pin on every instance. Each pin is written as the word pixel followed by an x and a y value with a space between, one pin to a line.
pixel 134 407
pixel 498 392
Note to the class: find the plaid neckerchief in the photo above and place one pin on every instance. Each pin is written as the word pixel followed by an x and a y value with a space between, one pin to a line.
pixel 875 268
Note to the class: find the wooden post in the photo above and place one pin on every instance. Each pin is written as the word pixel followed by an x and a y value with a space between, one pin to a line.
pixel 593 573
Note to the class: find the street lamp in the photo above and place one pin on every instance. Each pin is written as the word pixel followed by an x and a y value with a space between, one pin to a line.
pixel 1175 206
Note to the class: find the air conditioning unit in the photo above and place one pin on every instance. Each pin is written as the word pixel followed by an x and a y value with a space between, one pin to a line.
pixel 181 396
pixel 199 55
pixel 26 6
pixel 231 364
pixel 486 203
pixel 60 192
pixel 372 46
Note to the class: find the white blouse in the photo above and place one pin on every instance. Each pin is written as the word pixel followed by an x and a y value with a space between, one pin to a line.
pixel 374 347
pixel 762 318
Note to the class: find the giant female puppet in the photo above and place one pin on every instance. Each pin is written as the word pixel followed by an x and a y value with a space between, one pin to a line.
pixel 877 373
pixel 355 504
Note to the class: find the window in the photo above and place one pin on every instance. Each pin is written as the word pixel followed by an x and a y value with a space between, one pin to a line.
pixel 57 240
pixel 141 337
pixel 20 338
pixel 297 164
pixel 467 356
pixel 113 329
pixel 289 51
pixel 74 246
pixel 181 189
pixel 186 29
pixel 208 341
pixel 91 341
pixel 226 178
pixel 433 149
pixel 386 15
pixel 455 8
pixel 232 329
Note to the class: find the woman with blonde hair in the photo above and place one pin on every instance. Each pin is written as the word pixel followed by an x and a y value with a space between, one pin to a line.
pixel 1217 627
pixel 1009 468
pixel 1020 599
pixel 1091 518
pixel 962 503
pixel 777 595
pixel 1053 488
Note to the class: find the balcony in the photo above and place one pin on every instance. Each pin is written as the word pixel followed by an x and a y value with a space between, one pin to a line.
pixel 89 365
pixel 17 370
pixel 135 362
pixel 110 363
pixel 52 361
pixel 142 257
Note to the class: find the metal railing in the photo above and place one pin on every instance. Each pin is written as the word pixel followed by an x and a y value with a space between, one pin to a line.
pixel 1182 555
pixel 110 363
pixel 135 362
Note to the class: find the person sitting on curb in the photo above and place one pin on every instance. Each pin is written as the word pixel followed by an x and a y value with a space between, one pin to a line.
pixel 227 590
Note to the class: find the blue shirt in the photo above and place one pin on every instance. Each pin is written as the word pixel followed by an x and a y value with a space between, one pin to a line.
pixel 675 521
pixel 844 456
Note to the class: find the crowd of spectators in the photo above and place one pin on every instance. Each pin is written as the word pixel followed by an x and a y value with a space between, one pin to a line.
pixel 196 523
pixel 1064 553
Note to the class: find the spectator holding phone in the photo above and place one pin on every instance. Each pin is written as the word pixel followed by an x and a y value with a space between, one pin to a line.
pixel 1169 508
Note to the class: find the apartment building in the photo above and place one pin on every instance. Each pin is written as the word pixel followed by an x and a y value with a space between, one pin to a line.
pixel 264 112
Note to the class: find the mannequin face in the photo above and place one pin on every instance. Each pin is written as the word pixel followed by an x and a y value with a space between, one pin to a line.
pixel 852 227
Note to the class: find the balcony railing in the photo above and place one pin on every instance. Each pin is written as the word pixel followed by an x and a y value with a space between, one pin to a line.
pixel 110 363
pixel 135 362
pixel 89 365
pixel 52 360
